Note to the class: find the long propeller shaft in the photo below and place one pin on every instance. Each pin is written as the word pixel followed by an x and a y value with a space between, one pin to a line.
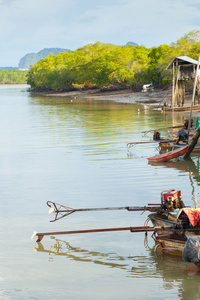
pixel 131 229
pixel 62 211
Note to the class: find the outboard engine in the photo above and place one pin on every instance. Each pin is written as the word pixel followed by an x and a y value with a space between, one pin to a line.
pixel 171 200
pixel 191 250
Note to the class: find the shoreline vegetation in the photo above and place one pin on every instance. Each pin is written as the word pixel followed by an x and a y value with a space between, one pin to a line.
pixel 108 72
pixel 13 76
pixel 105 68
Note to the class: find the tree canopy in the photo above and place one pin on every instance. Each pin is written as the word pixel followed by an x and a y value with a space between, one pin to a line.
pixel 102 64
pixel 13 76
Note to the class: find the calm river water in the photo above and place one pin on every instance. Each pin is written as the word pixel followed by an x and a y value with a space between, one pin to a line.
pixel 74 152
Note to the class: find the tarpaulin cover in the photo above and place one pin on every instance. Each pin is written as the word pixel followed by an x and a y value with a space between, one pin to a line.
pixel 193 214
pixel 191 250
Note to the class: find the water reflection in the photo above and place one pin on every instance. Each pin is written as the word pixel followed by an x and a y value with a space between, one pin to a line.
pixel 142 266
pixel 184 276
pixel 62 148
pixel 63 248
pixel 136 266
pixel 176 273
pixel 190 166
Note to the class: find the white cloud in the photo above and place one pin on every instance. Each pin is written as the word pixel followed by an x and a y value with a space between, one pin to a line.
pixel 30 26
pixel 145 22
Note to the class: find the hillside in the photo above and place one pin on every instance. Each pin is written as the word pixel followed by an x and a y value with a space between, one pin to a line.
pixel 31 58
pixel 132 43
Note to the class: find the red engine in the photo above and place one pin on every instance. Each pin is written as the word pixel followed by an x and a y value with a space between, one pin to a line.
pixel 171 200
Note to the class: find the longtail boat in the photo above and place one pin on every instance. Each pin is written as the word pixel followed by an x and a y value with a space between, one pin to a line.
pixel 179 233
pixel 174 146
pixel 169 155
pixel 185 150
pixel 170 212
pixel 170 231
pixel 170 242
pixel 170 201
pixel 179 244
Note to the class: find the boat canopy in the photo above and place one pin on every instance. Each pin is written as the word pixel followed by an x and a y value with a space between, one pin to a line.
pixel 193 215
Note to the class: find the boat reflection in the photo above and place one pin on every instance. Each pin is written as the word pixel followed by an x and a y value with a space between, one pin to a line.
pixel 63 248
pixel 143 265
pixel 173 271
pixel 190 166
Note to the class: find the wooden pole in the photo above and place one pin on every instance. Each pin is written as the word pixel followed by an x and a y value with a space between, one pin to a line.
pixel 173 87
pixel 150 142
pixel 195 200
pixel 193 143
pixel 198 89
pixel 193 96
pixel 176 87
pixel 178 126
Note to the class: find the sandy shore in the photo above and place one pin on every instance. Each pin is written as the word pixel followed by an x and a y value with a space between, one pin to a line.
pixel 158 97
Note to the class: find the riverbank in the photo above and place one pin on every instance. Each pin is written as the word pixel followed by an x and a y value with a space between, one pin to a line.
pixel 158 97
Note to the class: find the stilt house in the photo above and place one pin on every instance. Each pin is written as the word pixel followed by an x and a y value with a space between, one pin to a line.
pixel 184 68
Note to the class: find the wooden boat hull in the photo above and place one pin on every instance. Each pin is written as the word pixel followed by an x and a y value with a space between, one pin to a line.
pixel 180 109
pixel 166 219
pixel 167 145
pixel 163 219
pixel 172 244
pixel 172 146
pixel 169 155
pixel 195 150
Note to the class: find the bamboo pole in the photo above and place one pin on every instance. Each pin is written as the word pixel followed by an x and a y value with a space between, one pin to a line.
pixel 176 87
pixel 193 143
pixel 173 87
pixel 193 95
pixel 195 200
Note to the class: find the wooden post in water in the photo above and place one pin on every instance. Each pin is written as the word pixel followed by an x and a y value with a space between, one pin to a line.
pixel 176 92
pixel 193 96
pixel 198 89
pixel 173 87
pixel 193 143
pixel 181 92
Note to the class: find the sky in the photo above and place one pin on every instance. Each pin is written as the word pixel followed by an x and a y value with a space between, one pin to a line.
pixel 29 26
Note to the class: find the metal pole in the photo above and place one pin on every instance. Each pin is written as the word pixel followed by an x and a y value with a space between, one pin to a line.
pixel 132 229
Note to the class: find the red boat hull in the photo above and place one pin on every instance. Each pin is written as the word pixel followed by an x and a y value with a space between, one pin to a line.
pixel 169 155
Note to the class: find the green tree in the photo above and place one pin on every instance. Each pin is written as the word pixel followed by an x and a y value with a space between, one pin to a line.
pixel 103 64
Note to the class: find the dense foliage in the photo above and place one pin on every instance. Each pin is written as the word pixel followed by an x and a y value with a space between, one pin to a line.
pixel 13 76
pixel 103 64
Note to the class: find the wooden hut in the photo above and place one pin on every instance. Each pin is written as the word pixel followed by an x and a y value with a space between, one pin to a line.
pixel 184 68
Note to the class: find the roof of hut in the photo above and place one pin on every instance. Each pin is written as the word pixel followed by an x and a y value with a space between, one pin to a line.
pixel 183 60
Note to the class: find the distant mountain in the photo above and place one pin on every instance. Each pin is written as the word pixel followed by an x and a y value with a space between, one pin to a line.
pixel 132 43
pixel 31 58
pixel 8 68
